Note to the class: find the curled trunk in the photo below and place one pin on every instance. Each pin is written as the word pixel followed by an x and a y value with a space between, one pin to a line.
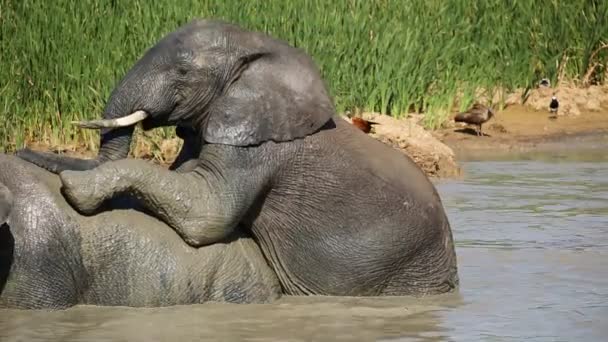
pixel 114 143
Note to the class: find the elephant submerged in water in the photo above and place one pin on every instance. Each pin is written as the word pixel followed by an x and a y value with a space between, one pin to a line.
pixel 51 257
pixel 334 211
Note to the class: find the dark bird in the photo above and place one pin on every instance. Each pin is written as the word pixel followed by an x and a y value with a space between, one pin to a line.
pixel 477 115
pixel 553 106
pixel 544 82
pixel 362 124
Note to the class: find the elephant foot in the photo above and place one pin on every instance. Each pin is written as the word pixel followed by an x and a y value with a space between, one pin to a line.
pixel 82 191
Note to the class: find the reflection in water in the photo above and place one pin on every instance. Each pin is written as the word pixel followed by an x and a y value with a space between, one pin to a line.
pixel 291 319
pixel 532 244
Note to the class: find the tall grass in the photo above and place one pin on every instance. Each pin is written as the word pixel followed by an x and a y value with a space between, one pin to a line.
pixel 61 58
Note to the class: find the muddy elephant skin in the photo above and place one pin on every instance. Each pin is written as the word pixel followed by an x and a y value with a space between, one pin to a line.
pixel 334 211
pixel 51 257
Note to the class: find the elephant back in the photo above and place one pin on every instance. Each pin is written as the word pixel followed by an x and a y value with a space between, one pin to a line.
pixel 40 244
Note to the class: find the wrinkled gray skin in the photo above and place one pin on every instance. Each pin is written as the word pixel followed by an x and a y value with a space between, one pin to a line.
pixel 6 203
pixel 334 211
pixel 51 257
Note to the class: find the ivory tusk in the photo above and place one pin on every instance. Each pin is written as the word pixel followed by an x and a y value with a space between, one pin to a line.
pixel 125 121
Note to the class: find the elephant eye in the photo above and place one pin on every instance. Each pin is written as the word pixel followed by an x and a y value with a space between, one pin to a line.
pixel 182 70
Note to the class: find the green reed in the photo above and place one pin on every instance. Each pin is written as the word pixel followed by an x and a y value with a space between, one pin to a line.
pixel 60 59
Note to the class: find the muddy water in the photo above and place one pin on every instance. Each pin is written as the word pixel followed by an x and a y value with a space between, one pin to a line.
pixel 532 242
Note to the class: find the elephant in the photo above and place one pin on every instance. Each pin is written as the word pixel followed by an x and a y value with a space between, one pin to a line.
pixel 6 203
pixel 53 258
pixel 334 211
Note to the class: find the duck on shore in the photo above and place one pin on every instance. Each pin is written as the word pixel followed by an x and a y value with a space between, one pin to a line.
pixel 477 115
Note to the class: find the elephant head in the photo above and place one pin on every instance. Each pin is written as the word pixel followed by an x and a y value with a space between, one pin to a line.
pixel 230 85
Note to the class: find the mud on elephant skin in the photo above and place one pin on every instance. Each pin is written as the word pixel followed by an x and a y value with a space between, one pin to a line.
pixel 53 258
pixel 334 211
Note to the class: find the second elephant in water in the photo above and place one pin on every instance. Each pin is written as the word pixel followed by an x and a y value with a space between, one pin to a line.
pixel 51 257
pixel 334 211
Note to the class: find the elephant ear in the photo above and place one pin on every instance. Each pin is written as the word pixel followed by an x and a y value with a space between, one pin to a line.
pixel 270 96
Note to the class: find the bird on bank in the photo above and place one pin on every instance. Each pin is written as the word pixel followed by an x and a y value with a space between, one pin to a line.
pixel 544 83
pixel 362 124
pixel 477 115
pixel 553 107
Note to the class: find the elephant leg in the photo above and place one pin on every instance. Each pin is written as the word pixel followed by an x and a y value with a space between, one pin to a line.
pixel 203 206
pixel 185 161
pixel 187 158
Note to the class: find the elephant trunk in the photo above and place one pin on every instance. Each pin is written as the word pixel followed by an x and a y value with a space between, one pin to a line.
pixel 119 118
pixel 114 144
pixel 117 126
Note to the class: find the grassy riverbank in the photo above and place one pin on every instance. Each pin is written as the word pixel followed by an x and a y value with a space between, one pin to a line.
pixel 60 59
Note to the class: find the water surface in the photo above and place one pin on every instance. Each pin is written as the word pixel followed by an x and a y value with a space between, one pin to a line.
pixel 532 242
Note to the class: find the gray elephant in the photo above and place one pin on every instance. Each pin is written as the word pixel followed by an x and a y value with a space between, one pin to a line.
pixel 51 257
pixel 6 203
pixel 334 211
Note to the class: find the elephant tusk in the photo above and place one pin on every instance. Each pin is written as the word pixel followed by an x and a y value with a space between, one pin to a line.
pixel 125 121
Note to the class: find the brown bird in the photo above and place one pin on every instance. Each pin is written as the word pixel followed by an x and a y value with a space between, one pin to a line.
pixel 362 124
pixel 477 115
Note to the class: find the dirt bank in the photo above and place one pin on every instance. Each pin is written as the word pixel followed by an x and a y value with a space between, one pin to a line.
pixel 408 136
pixel 525 124
pixel 520 128
pixel 522 125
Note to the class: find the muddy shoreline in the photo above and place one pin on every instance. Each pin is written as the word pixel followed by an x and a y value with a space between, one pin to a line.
pixel 525 125
pixel 519 129
pixel 592 142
